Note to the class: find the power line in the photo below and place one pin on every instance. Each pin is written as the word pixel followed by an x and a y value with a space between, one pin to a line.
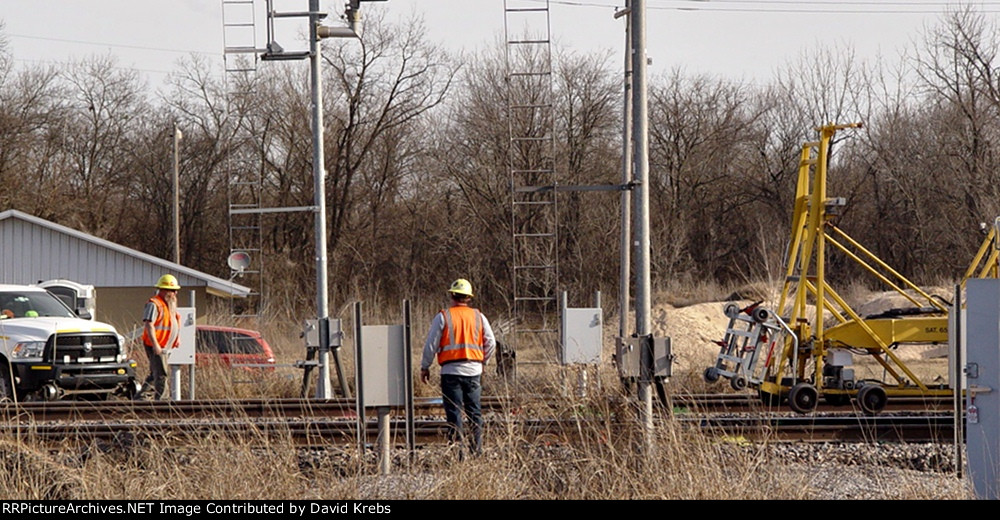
pixel 113 45
pixel 817 7
pixel 66 64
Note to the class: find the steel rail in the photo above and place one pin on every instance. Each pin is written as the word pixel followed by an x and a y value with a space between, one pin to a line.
pixel 326 432
pixel 340 407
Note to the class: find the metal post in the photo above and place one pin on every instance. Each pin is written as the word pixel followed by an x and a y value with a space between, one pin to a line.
pixel 625 275
pixel 385 457
pixel 563 331
pixel 319 176
pixel 191 367
pixel 359 383
pixel 958 402
pixel 177 197
pixel 411 443
pixel 175 382
pixel 640 134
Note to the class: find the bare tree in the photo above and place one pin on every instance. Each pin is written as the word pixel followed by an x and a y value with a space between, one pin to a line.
pixel 700 134
pixel 375 91
pixel 30 102
pixel 957 67
pixel 104 106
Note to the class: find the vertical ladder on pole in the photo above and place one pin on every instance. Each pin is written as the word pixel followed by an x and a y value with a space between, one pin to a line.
pixel 245 235
pixel 239 35
pixel 244 172
pixel 534 208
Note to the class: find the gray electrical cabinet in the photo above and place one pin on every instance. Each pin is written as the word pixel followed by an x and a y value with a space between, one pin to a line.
pixel 581 336
pixel 185 351
pixel 982 390
pixel 629 361
pixel 383 365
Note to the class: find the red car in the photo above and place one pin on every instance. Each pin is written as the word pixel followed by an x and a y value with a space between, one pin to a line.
pixel 232 347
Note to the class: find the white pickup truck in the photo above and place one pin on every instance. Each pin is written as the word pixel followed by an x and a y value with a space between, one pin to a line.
pixel 48 352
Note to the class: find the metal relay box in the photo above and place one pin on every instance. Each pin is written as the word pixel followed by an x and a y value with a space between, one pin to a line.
pixel 628 359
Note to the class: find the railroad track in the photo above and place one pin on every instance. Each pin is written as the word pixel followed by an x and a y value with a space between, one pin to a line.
pixel 318 433
pixel 423 406
pixel 319 423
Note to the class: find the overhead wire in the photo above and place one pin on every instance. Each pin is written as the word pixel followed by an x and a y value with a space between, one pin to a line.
pixel 765 6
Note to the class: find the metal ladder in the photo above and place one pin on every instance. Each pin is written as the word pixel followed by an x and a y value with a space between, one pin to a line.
pixel 244 177
pixel 534 207
pixel 239 35
pixel 245 233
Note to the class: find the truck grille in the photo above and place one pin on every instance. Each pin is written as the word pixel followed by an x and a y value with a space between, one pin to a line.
pixel 82 347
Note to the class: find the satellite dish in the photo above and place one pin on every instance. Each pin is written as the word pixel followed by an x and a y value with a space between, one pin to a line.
pixel 238 261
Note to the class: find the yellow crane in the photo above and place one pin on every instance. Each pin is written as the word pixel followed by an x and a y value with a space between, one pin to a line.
pixel 805 349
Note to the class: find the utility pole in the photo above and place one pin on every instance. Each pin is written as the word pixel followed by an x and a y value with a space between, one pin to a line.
pixel 625 263
pixel 319 176
pixel 640 136
pixel 177 197
pixel 316 31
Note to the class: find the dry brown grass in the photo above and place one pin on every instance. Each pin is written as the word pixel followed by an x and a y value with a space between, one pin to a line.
pixel 599 454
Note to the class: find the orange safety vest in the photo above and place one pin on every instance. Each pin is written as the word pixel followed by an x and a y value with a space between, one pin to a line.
pixel 162 325
pixel 462 337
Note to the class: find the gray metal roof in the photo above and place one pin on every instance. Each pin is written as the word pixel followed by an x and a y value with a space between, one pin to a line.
pixel 33 249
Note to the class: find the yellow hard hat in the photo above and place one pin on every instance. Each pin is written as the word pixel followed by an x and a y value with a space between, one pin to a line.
pixel 461 286
pixel 168 281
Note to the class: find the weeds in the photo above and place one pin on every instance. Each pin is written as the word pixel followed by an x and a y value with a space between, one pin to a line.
pixel 597 451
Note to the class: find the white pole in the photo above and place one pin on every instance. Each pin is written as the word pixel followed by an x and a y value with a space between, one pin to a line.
pixel 319 176
pixel 177 197
pixel 643 323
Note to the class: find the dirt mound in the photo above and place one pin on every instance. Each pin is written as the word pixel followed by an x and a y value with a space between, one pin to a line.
pixel 756 291
pixel 881 302
pixel 693 331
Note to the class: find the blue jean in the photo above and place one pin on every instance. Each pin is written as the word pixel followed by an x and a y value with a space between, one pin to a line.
pixel 463 393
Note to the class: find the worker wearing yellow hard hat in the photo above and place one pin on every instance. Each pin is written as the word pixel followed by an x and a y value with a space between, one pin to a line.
pixel 168 282
pixel 462 340
pixel 461 287
pixel 161 331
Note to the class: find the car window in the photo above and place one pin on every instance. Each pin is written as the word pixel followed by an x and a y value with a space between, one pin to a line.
pixel 210 341
pixel 226 342
pixel 243 344
pixel 33 303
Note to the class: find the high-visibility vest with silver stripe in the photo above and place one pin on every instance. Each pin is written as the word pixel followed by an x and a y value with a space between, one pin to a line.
pixel 162 325
pixel 462 337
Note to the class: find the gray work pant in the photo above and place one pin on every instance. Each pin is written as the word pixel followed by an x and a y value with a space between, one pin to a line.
pixel 156 382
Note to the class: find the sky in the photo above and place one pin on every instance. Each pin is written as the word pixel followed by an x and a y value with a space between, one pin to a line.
pixel 737 39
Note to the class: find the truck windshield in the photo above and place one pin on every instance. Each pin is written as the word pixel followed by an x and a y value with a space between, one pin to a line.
pixel 32 304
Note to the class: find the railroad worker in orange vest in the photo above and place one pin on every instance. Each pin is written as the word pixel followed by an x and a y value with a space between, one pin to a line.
pixel 161 331
pixel 462 341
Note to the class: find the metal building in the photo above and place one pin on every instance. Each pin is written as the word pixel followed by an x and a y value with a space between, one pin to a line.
pixel 33 249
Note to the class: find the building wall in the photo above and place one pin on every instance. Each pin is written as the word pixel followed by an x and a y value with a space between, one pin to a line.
pixel 33 250
pixel 31 253
pixel 122 306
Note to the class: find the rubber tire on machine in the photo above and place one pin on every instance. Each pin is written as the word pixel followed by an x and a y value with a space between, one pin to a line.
pixel 803 398
pixel 836 399
pixel 731 310
pixel 710 375
pixel 760 314
pixel 872 399
pixel 738 383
